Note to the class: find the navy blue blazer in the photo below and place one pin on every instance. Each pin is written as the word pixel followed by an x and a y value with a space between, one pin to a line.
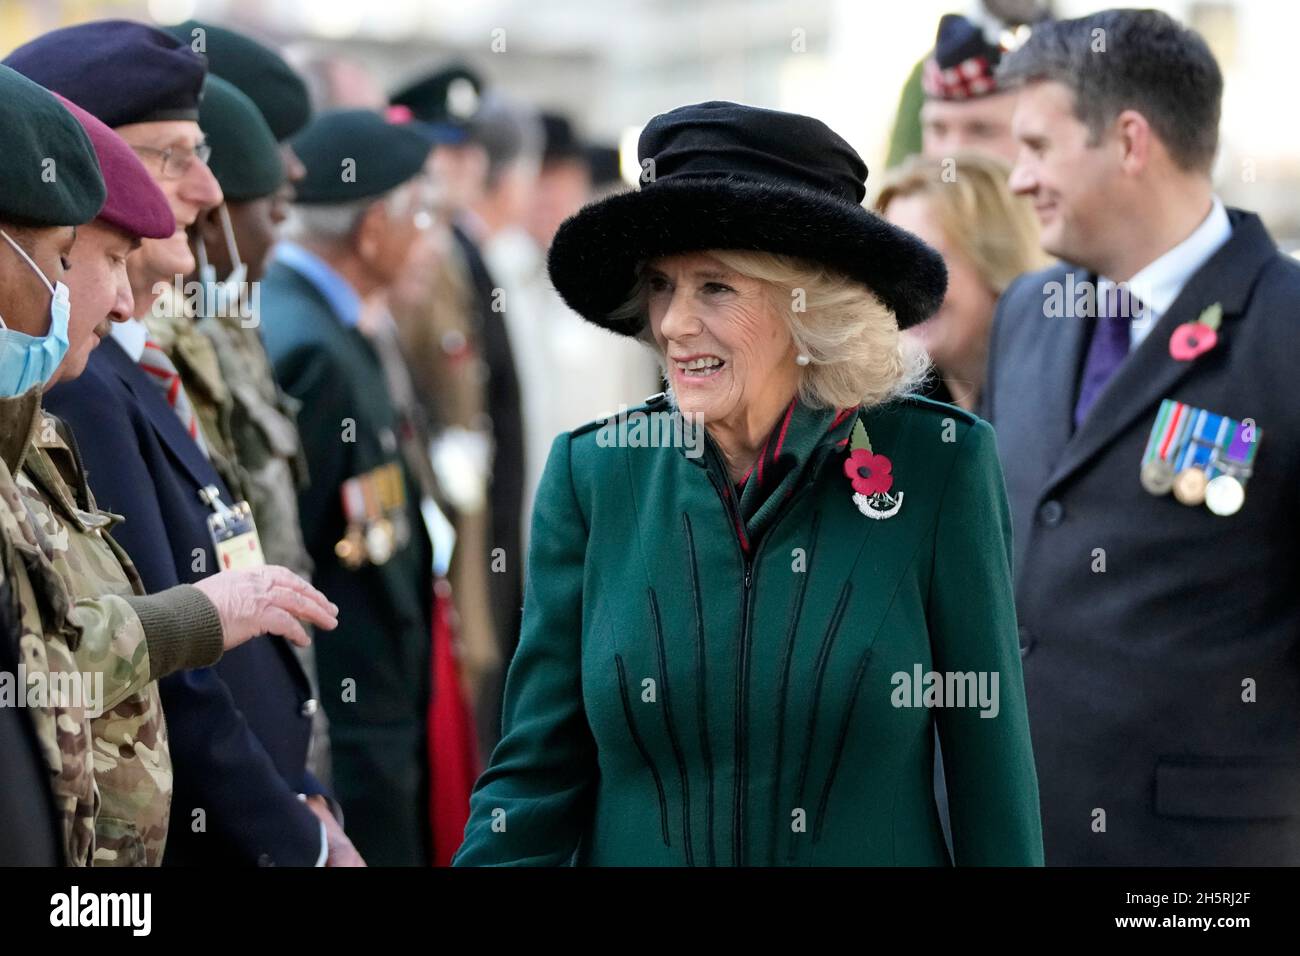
pixel 239 731
pixel 1137 675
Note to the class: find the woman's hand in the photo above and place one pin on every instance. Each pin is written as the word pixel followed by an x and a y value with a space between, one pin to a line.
pixel 266 600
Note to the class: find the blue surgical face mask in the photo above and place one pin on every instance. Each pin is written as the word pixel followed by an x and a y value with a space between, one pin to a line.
pixel 222 295
pixel 27 360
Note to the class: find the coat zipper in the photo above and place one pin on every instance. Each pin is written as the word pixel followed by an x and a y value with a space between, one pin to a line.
pixel 742 662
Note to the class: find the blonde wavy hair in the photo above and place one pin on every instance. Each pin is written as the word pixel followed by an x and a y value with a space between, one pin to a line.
pixel 857 355
pixel 987 223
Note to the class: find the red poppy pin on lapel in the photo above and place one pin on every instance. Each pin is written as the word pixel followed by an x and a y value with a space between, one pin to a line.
pixel 1192 339
pixel 871 477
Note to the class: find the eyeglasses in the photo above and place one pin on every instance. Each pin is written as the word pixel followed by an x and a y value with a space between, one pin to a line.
pixel 177 160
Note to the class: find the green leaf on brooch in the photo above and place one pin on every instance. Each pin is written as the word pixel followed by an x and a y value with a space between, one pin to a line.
pixel 860 439
pixel 1212 316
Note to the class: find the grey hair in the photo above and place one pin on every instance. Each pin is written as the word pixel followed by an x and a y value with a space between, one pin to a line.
pixel 1143 60
pixel 336 223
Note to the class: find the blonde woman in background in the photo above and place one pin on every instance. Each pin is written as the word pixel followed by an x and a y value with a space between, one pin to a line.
pixel 987 236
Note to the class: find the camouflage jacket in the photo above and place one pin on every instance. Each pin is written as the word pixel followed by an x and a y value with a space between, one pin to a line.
pixel 86 627
pixel 264 430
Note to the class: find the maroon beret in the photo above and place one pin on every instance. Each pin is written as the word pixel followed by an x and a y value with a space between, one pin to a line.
pixel 135 204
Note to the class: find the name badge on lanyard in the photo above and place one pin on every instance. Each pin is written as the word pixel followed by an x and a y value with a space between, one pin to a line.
pixel 233 531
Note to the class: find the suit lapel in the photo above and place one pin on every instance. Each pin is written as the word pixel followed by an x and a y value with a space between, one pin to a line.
pixel 180 446
pixel 162 417
pixel 1050 370
pixel 1151 373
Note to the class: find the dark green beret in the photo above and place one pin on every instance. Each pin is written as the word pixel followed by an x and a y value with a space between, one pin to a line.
pixel 353 154
pixel 245 156
pixel 259 72
pixel 449 96
pixel 49 175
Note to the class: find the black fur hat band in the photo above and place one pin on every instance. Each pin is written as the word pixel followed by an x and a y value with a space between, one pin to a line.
pixel 725 176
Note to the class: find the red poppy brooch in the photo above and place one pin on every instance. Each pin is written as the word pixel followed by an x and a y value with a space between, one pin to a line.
pixel 1192 339
pixel 871 476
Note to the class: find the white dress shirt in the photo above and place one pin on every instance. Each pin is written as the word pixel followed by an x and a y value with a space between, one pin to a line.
pixel 131 335
pixel 1158 284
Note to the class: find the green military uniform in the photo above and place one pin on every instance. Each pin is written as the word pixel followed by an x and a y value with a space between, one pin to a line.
pixel 111 771
pixel 374 563
pixel 360 514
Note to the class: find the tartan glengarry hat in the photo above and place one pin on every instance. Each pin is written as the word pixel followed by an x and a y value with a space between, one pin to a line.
pixel 119 71
pixel 725 176
pixel 963 64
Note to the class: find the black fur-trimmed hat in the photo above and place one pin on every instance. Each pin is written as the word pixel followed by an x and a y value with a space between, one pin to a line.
pixel 725 176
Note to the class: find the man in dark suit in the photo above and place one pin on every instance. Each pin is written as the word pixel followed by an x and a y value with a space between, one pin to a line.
pixel 238 731
pixel 1143 394
pixel 361 516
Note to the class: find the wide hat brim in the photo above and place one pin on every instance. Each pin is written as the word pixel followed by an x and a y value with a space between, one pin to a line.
pixel 596 253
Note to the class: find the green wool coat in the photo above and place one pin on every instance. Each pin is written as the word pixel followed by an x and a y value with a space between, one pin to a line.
pixel 707 681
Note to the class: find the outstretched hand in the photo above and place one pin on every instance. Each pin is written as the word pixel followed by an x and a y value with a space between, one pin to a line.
pixel 266 600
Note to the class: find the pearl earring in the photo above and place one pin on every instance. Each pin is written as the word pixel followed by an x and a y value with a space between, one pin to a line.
pixel 802 359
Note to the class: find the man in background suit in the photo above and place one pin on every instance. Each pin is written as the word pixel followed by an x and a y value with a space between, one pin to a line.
pixel 1143 394
pixel 451 99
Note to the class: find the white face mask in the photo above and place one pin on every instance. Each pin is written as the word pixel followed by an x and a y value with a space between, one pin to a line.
pixel 27 360
pixel 223 296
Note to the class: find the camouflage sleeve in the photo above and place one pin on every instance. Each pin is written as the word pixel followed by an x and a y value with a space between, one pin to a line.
pixel 135 640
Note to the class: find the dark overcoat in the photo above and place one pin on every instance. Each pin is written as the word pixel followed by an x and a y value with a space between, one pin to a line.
pixel 375 667
pixel 1145 623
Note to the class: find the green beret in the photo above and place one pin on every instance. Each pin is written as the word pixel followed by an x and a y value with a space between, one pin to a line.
pixel 354 154
pixel 245 156
pixel 49 175
pixel 259 72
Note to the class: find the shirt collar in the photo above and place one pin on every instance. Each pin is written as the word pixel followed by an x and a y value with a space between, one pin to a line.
pixel 1158 284
pixel 131 335
pixel 336 290
pixel 798 442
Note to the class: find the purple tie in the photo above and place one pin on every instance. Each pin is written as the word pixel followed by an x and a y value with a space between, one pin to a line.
pixel 1109 346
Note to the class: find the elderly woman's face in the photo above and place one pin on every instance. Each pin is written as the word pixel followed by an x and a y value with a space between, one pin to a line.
pixel 724 342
